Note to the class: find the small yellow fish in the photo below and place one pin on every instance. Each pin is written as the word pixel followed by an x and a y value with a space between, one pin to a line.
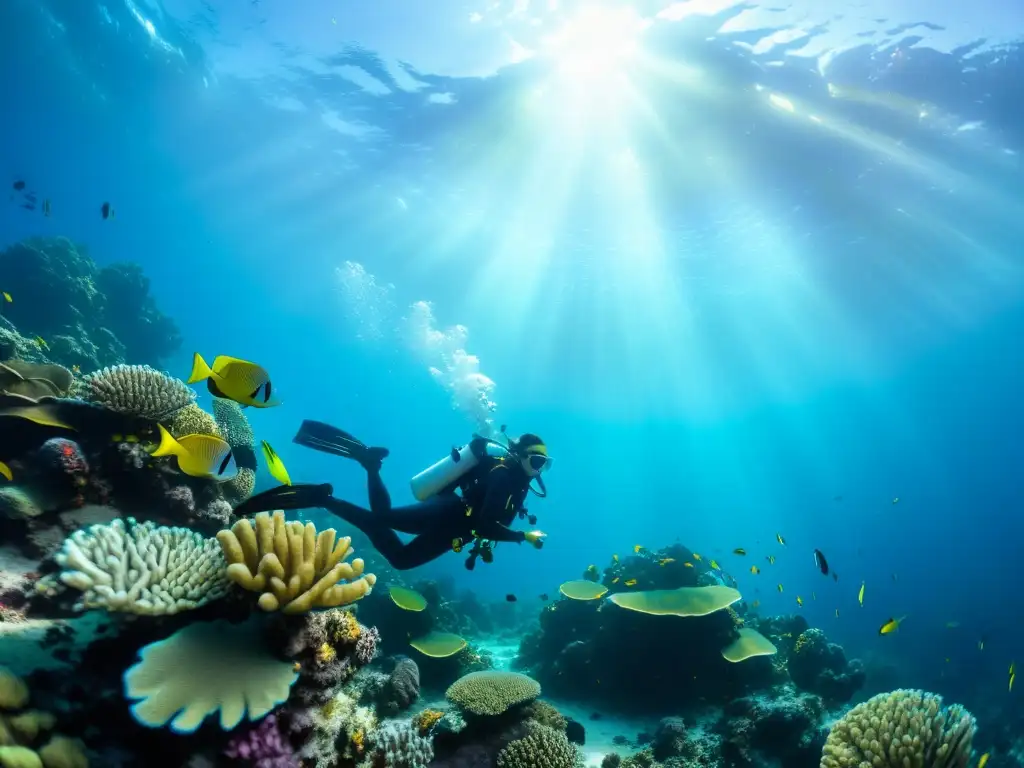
pixel 666 560
pixel 860 595
pixel 7 297
pixel 131 438
pixel 981 644
pixel 688 565
pixel 983 760
pixel 697 557
pixel 779 587
pixel 116 438
pixel 41 342
pixel 778 538
pixel 739 551
pixel 755 570
pixel 615 580
pixel 714 565
pixel 799 600
pixel 630 582
pixel 638 548
pixel 770 559
pixel 198 455
pixel 755 604
pixel 6 471
pixel 76 368
pixel 239 380
pixel 890 626
pixel 615 558
pixel 1013 667
pixel 277 469
pixel 1013 676
pixel 837 613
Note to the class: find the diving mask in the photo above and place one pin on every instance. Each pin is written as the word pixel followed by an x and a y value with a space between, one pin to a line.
pixel 539 462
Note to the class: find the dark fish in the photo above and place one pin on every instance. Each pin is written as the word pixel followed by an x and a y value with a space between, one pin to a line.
pixel 29 206
pixel 545 597
pixel 19 185
pixel 835 576
pixel 821 562
pixel 106 210
pixel 595 715
pixel 511 598
pixel 46 207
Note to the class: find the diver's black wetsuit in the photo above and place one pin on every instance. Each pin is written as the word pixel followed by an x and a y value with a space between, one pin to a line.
pixel 494 492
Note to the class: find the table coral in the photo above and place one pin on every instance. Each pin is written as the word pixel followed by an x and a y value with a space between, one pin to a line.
pixel 492 692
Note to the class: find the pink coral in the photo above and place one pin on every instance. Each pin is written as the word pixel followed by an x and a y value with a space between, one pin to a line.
pixel 263 747
pixel 366 645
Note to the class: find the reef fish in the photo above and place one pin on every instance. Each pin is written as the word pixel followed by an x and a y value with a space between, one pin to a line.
pixel 860 595
pixel 199 455
pixel 239 380
pixel 6 471
pixel 107 211
pixel 739 551
pixel 7 297
pixel 755 570
pixel 630 582
pixel 983 760
pixel 274 464
pixel 714 565
pixel 770 559
pixel 821 562
pixel 890 626
pixel 778 538
pixel 799 601
pixel 510 598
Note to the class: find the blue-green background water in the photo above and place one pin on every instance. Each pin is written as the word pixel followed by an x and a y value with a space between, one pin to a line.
pixel 721 314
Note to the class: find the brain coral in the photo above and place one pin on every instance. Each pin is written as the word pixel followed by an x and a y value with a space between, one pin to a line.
pixel 901 728
pixel 542 746
pixel 492 692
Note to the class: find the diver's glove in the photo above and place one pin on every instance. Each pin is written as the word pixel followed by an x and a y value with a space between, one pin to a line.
pixel 536 538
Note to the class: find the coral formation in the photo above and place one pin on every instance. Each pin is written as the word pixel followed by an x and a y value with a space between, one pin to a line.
pixel 540 745
pixel 293 568
pixel 142 568
pixel 398 745
pixel 192 420
pixel 401 688
pixel 25 740
pixel 137 390
pixel 492 692
pixel 904 727
pixel 34 380
pixel 818 666
pixel 89 317
pixel 236 430
pixel 205 668
pixel 263 746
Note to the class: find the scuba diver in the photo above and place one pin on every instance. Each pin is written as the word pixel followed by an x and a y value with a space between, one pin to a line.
pixel 471 496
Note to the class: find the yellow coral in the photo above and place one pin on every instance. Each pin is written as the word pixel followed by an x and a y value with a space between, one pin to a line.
pixel 357 740
pixel 347 629
pixel 801 642
pixel 426 720
pixel 325 654
pixel 293 567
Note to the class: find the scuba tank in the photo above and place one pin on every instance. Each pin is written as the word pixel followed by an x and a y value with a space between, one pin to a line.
pixel 446 472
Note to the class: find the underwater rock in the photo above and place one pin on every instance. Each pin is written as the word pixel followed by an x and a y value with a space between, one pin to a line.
pixel 402 687
pixel 818 666
pixel 782 725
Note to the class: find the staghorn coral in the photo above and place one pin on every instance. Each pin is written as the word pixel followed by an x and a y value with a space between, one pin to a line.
pixel 193 420
pixel 142 568
pixel 492 692
pixel 901 728
pixel 23 732
pixel 541 746
pixel 137 390
pixel 205 668
pixel 399 745
pixel 295 569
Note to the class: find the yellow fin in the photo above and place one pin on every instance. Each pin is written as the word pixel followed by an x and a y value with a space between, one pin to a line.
pixel 168 445
pixel 200 370
pixel 6 471
pixel 274 465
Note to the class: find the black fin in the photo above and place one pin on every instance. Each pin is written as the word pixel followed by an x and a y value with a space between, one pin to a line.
pixel 301 496
pixel 327 439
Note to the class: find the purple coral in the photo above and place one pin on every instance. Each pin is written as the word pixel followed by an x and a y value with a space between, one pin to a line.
pixel 263 747
pixel 366 645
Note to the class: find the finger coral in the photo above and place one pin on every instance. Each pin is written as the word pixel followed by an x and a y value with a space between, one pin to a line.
pixel 492 692
pixel 137 390
pixel 205 668
pixel 142 568
pixel 901 728
pixel 294 568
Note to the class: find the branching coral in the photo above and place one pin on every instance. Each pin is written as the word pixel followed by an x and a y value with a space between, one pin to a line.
pixel 399 745
pixel 22 732
pixel 205 668
pixel 142 568
pixel 137 390
pixel 901 728
pixel 293 568
pixel 492 692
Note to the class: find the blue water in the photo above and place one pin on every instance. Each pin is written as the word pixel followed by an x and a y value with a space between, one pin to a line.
pixel 724 296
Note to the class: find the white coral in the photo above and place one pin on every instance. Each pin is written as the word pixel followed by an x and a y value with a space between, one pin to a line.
pixel 142 568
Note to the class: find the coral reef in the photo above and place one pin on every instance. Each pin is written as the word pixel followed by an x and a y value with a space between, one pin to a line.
pixel 818 666
pixel 293 568
pixel 400 688
pixel 492 692
pixel 898 729
pixel 25 734
pixel 88 317
pixel 540 745
pixel 264 746
pixel 398 745
pixel 137 390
